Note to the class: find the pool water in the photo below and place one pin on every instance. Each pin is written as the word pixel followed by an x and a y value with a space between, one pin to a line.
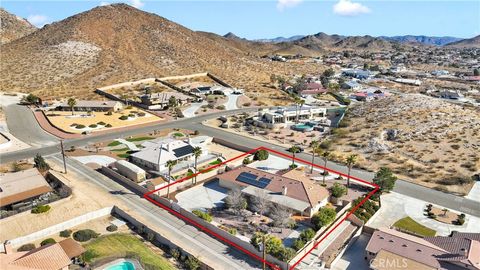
pixel 302 127
pixel 121 266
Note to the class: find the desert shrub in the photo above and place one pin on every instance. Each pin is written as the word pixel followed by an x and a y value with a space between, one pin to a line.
pixel 108 125
pixel 307 235
pixel 26 247
pixel 298 244
pixel 203 215
pixel 128 107
pixel 323 217
pixel 47 241
pixel 84 235
pixel 232 231
pixel 109 113
pixel 74 125
pixel 65 233
pixel 338 190
pixel 92 126
pixel 123 117
pixel 80 126
pixel 131 115
pixel 175 253
pixel 192 263
pixel 101 123
pixel 261 155
pixel 112 228
pixel 248 104
pixel 246 161
pixel 40 209
pixel 220 107
pixel 141 114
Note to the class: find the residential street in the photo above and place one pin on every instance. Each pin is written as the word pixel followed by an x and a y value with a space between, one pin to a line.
pixel 210 250
pixel 36 134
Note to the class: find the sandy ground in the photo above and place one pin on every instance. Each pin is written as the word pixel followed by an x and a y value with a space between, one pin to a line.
pixel 86 197
pixel 64 120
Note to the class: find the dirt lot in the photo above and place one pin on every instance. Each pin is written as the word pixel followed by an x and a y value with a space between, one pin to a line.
pixel 64 120
pixel 422 139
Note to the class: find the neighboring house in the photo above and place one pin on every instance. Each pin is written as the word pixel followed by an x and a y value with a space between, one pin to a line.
pixel 398 68
pixel 449 94
pixel 351 85
pixel 458 251
pixel 156 153
pixel 358 74
pixel 211 90
pixel 312 88
pixel 93 105
pixel 302 196
pixel 56 256
pixel 282 116
pixel 131 171
pixel 160 101
pixel 408 81
pixel 19 188
pixel 370 94
pixel 440 72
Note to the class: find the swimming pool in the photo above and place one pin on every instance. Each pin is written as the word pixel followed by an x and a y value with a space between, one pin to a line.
pixel 302 127
pixel 123 265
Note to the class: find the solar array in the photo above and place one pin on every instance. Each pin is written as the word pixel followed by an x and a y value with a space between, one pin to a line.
pixel 251 179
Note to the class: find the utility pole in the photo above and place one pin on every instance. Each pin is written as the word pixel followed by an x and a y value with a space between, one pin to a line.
pixel 63 156
pixel 264 252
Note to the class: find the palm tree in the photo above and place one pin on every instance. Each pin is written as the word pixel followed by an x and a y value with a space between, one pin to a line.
pixel 170 164
pixel 301 102
pixel 294 149
pixel 124 97
pixel 325 156
pixel 351 160
pixel 314 144
pixel 297 102
pixel 71 103
pixel 197 151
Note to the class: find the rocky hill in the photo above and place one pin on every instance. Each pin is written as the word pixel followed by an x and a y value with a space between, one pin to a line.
pixel 466 43
pixel 115 43
pixel 427 40
pixel 13 27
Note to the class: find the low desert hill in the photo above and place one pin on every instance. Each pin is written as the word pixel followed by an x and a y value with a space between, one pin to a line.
pixel 466 43
pixel 115 43
pixel 13 27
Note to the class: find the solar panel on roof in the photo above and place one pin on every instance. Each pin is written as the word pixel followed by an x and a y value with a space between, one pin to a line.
pixel 251 179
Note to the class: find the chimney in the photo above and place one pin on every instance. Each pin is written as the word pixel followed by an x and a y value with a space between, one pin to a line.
pixel 284 190
pixel 8 247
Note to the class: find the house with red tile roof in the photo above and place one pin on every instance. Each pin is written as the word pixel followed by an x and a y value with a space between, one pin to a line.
pixel 56 256
pixel 391 249
pixel 289 190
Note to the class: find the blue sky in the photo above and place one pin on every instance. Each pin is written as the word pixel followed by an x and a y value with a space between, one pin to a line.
pixel 268 19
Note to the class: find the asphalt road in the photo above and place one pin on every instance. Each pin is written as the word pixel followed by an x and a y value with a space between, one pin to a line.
pixel 458 203
pixel 174 229
pixel 31 128
pixel 26 128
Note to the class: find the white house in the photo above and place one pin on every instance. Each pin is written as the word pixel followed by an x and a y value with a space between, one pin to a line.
pixel 282 116
pixel 156 153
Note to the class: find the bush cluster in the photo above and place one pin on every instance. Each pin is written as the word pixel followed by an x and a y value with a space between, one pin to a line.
pixel 85 235
pixel 203 215
pixel 47 241
pixel 40 209
pixel 65 233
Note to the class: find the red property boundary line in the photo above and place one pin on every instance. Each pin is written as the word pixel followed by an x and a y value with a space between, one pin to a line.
pixel 208 231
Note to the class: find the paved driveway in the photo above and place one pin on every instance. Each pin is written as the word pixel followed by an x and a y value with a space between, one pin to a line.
pixel 354 256
pixel 190 111
pixel 202 197
pixel 231 103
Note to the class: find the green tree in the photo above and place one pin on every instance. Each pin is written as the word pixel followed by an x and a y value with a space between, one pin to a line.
pixel 236 201
pixel 30 99
pixel 286 254
pixel 71 103
pixel 338 190
pixel 192 263
pixel 307 235
pixel 261 154
pixel 385 179
pixel 197 152
pixel 315 145
pixel 172 102
pixel 40 163
pixel 323 217
pixel 329 73
pixel 325 156
pixel 294 149
pixel 170 165
pixel 273 244
pixel 351 160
